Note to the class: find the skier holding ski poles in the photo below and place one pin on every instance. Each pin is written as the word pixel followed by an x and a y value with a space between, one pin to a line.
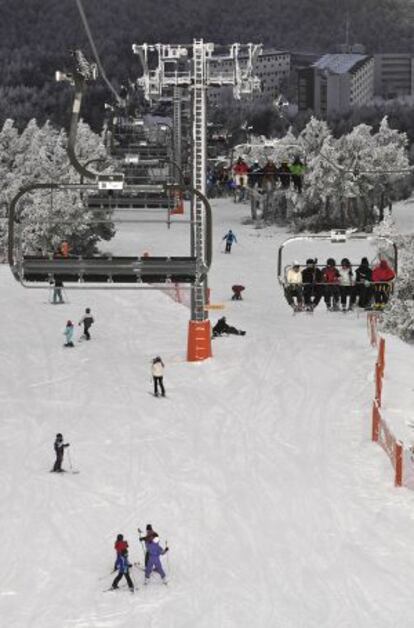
pixel 154 562
pixel 123 565
pixel 147 539
pixel 59 447
pixel 120 545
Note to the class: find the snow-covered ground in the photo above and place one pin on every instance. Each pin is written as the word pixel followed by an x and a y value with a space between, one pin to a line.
pixel 258 467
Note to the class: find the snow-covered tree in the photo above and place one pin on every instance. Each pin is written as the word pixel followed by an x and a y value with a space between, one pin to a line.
pixel 48 217
pixel 398 317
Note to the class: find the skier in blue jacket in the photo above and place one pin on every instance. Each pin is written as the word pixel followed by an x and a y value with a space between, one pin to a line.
pixel 123 565
pixel 229 238
pixel 154 564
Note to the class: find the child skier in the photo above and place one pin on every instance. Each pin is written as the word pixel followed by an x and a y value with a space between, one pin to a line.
pixel 68 333
pixel 87 321
pixel 154 562
pixel 120 545
pixel 147 539
pixel 59 447
pixel 229 238
pixel 123 565
pixel 157 371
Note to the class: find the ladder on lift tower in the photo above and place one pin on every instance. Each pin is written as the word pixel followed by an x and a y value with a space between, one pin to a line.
pixel 199 131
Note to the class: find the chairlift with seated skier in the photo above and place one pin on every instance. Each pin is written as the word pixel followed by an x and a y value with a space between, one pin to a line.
pixel 342 282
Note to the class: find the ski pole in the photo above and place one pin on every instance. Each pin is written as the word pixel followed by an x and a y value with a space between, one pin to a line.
pixel 168 558
pixel 70 462
pixel 142 542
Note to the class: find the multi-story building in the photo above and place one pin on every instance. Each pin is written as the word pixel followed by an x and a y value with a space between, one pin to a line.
pixel 394 75
pixel 336 83
pixel 272 67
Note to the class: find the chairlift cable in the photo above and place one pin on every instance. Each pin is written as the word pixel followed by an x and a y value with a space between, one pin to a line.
pixel 95 52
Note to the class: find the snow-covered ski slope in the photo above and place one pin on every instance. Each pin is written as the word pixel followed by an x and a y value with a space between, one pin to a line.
pixel 257 468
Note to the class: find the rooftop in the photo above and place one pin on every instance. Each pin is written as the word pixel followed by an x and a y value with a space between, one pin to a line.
pixel 339 63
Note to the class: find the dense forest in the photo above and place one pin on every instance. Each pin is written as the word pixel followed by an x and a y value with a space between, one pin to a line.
pixel 36 36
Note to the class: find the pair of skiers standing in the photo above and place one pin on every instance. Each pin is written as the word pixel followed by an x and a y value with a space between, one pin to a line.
pixel 87 321
pixel 152 558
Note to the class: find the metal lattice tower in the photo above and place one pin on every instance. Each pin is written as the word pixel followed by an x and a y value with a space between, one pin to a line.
pixel 177 126
pixel 174 67
pixel 199 166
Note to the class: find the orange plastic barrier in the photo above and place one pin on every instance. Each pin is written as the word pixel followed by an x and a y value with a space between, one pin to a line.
pixel 199 341
pixel 382 435
pixel 178 203
pixel 381 356
pixel 372 320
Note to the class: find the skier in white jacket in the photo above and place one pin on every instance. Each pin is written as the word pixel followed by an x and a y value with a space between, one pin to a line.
pixel 157 371
pixel 346 284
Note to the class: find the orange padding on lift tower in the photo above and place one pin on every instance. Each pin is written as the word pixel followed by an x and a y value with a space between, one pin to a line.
pixel 199 341
pixel 178 203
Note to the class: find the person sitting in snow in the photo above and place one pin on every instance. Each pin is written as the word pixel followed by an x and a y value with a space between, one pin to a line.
pixel 221 327
pixel 154 563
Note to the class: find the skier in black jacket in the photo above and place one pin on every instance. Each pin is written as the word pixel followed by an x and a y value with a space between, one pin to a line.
pixel 221 327
pixel 87 320
pixel 363 278
pixel 59 448
pixel 311 281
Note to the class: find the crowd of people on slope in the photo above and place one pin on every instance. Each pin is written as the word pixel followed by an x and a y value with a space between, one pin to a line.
pixel 240 176
pixel 339 285
pixel 153 552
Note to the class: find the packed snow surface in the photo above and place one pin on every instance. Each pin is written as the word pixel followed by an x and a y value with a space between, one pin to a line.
pixel 257 468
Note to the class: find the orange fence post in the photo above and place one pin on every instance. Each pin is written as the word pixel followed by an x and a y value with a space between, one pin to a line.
pixel 372 328
pixel 398 453
pixel 375 422
pixel 199 341
pixel 381 355
pixel 378 384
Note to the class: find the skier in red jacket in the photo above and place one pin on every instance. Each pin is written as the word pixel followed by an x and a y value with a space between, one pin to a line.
pixel 330 276
pixel 382 275
pixel 120 546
